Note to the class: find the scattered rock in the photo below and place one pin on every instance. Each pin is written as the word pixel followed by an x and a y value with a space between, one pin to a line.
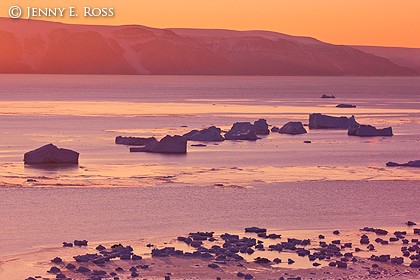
pixel 83 269
pixel 413 163
pixel 70 266
pixel 369 131
pixel 134 141
pixel 100 248
pixel 211 134
pixel 261 127
pixel 341 264
pixel 255 229
pixel 277 260
pixel 50 154
pixel 57 260
pixel 260 260
pixel 293 128
pixel 80 243
pixel 342 105
pixel 415 264
pixel 320 121
pixel 198 145
pixel 54 270
pixel 214 266
pixel 242 131
pixel 240 274
pixel 397 260
pixel 168 145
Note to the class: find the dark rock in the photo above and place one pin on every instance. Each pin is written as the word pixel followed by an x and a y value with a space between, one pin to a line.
pixel 198 145
pixel 260 260
pixel 57 260
pixel 50 154
pixel 273 236
pixel 410 223
pixel 321 236
pixel 248 276
pixel 293 128
pixel 209 134
pixel 255 229
pixel 83 269
pixel 67 244
pixel 242 131
pixel 80 242
pixel 397 260
pixel 341 264
pixel 332 264
pixel 415 264
pixel 277 260
pixel 307 142
pixel 136 257
pixel 100 248
pixel 213 265
pixel 327 96
pixel 85 258
pixel 134 141
pixel 290 261
pixel 261 127
pixel 320 121
pixel 413 163
pixel 70 266
pixel 316 264
pixel 54 270
pixel 167 145
pixel 100 261
pixel 342 105
pixel 240 274
pixel 364 240
pixel 144 266
pixel 98 272
pixel 134 274
pixel 369 131
pixel 336 232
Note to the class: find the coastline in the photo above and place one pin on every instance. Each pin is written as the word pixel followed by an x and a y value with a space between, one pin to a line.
pixel 38 261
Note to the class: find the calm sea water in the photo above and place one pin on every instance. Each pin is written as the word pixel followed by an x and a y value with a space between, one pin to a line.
pixel 336 182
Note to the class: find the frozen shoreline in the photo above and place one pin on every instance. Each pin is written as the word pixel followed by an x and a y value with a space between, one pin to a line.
pixel 38 262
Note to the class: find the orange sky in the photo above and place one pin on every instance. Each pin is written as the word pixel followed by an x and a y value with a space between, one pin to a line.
pixel 361 22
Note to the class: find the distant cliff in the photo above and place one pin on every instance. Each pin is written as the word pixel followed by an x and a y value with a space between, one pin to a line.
pixel 28 46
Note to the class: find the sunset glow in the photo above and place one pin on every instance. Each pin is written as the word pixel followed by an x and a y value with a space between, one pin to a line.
pixel 358 22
